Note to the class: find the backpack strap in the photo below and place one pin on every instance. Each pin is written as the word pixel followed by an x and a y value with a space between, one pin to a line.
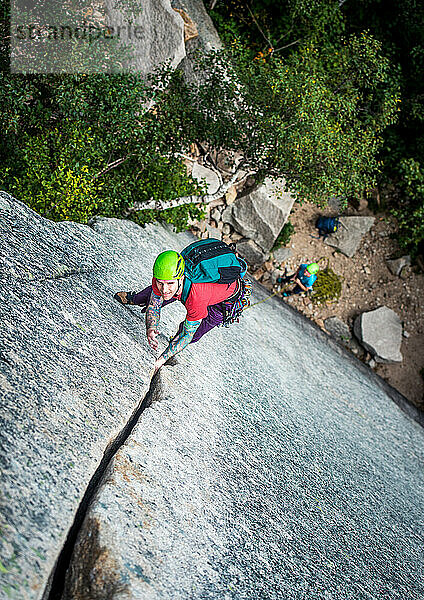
pixel 186 289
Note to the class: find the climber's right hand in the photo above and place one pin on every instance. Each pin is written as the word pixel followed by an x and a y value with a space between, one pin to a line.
pixel 152 334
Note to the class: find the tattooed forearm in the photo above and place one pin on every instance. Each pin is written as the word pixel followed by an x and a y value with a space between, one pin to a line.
pixel 153 311
pixel 181 340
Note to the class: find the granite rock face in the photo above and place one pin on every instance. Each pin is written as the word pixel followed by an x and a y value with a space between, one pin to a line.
pixel 261 214
pixel 160 36
pixel 349 234
pixel 74 366
pixel 380 332
pixel 229 482
pixel 270 463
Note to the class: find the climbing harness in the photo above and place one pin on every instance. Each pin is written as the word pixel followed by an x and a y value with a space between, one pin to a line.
pixel 234 307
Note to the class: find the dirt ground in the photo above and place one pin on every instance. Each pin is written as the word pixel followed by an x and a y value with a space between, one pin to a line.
pixel 368 284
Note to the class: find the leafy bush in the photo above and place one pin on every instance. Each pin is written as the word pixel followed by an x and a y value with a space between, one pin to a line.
pixel 327 287
pixel 61 189
pixel 75 146
pixel 284 236
pixel 314 119
pixel 410 210
pixel 107 143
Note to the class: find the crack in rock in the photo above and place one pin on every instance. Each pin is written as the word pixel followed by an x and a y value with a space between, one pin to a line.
pixel 55 586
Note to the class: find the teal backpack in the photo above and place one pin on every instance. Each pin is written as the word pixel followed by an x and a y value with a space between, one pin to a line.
pixel 210 261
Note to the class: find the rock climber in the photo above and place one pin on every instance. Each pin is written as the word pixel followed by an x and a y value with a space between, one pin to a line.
pixel 304 278
pixel 208 304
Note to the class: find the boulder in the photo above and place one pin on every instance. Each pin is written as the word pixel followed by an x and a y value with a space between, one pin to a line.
pixel 349 234
pixel 213 232
pixel 282 254
pixel 380 333
pixel 340 331
pixel 261 214
pixel 396 265
pixel 160 38
pixel 120 38
pixel 251 252
pixel 207 176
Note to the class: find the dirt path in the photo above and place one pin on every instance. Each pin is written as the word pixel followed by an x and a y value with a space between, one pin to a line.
pixel 368 284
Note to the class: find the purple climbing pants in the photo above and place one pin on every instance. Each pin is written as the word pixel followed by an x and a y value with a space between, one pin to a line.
pixel 214 318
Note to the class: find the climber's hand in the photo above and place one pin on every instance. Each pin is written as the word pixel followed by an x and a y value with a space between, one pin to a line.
pixel 152 334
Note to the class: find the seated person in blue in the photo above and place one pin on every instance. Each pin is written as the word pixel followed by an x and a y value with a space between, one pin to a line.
pixel 304 278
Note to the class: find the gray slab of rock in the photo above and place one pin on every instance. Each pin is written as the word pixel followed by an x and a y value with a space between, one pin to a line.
pixel 199 480
pixel 160 36
pixel 380 332
pixel 282 254
pixel 250 251
pixel 207 176
pixel 261 214
pixel 397 264
pixel 349 234
pixel 74 366
pixel 221 467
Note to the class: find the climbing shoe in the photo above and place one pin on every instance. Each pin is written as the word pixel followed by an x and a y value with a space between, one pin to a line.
pixel 125 297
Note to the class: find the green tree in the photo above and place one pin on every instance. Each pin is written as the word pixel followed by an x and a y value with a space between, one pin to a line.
pixel 314 118
pixel 75 146
pixel 282 27
pixel 400 28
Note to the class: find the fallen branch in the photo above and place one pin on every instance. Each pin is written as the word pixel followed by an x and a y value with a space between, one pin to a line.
pixel 206 199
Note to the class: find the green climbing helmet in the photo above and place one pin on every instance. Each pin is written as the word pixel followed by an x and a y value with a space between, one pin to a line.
pixel 169 265
pixel 313 268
